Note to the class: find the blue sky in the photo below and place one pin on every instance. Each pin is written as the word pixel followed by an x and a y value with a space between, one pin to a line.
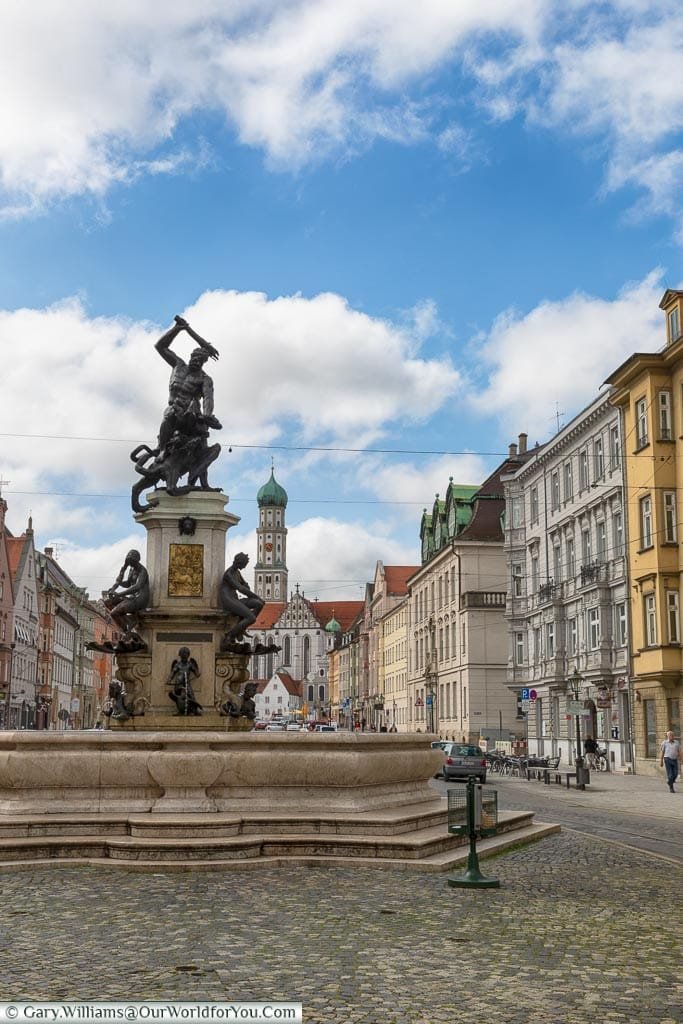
pixel 408 228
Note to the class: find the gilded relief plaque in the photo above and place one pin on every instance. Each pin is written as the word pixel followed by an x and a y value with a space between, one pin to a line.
pixel 186 570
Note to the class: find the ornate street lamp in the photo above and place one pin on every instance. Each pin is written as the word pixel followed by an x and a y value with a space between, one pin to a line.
pixel 574 685
pixel 430 697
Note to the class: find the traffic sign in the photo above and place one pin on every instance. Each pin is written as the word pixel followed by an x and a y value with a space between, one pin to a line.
pixel 526 706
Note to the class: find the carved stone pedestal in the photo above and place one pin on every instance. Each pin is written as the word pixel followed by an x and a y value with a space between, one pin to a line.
pixel 186 560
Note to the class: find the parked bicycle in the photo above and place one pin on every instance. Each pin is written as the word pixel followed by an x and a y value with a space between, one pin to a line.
pixel 601 760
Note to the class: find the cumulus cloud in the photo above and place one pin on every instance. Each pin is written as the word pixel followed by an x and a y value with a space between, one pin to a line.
pixel 95 568
pixel 99 89
pixel 332 559
pixel 561 352
pixel 413 485
pixel 313 371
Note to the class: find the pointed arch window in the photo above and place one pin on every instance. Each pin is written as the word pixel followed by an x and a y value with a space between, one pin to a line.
pixel 307 655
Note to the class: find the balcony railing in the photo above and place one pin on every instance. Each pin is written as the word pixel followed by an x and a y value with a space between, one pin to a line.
pixel 484 599
pixel 593 572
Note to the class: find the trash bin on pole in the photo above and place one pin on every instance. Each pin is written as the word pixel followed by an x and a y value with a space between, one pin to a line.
pixel 473 811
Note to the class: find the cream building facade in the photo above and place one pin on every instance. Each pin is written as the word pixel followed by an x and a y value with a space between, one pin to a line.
pixel 457 636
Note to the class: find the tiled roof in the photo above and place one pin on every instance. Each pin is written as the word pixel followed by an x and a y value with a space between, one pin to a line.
pixel 489 506
pixel 269 615
pixel 291 685
pixel 397 576
pixel 15 549
pixel 343 611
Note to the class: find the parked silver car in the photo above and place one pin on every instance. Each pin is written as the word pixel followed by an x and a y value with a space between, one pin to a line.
pixel 461 760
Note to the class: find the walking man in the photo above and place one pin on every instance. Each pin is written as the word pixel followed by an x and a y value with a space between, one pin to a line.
pixel 670 757
pixel 590 748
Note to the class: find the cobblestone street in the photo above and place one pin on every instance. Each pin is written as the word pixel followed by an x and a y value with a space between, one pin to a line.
pixel 576 933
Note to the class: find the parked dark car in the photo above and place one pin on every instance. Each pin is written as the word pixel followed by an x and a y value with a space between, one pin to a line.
pixel 462 760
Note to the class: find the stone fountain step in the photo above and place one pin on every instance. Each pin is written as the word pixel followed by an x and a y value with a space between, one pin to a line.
pixel 202 841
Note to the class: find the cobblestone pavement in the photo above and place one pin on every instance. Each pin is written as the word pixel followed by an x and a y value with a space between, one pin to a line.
pixel 577 933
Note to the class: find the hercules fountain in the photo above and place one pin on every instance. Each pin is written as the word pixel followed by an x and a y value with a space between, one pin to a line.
pixel 180 778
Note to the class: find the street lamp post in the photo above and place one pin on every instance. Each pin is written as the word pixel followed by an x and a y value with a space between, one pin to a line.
pixel 574 683
pixel 430 696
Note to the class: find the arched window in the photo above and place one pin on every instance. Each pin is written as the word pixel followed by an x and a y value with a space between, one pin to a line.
pixel 269 666
pixel 288 651
pixel 321 693
pixel 307 655
pixel 310 694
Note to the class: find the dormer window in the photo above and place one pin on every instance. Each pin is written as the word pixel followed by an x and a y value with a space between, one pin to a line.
pixel 674 324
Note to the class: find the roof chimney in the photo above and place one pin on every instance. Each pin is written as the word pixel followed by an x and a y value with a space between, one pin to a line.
pixel 512 451
pixel 522 443
pixel 49 552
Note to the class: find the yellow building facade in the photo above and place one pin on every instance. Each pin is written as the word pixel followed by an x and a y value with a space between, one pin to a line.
pixel 648 388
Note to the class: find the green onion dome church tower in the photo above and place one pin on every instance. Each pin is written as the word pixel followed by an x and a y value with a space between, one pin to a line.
pixel 270 571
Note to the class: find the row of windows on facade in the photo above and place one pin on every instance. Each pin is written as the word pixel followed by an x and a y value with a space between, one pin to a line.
pixel 446 646
pixel 394 622
pixel 669 531
pixel 395 683
pixel 567 568
pixel 562 481
pixel 664 419
pixel 545 640
pixel 396 652
pixel 443 590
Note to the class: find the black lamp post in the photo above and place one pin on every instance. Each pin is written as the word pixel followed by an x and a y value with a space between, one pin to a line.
pixel 430 696
pixel 574 683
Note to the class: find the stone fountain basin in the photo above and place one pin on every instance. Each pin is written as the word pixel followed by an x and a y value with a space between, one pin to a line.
pixel 95 772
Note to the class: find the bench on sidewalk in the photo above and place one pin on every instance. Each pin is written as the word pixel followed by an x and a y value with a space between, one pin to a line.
pixel 546 774
pixel 543 772
pixel 585 778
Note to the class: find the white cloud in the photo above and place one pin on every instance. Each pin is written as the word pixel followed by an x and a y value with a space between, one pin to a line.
pixel 415 486
pixel 95 568
pixel 98 89
pixel 334 559
pixel 312 370
pixel 561 352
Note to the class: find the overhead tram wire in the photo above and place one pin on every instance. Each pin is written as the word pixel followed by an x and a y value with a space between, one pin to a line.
pixel 269 447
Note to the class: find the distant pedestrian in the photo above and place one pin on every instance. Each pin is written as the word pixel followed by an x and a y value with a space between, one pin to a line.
pixel 670 758
pixel 591 748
